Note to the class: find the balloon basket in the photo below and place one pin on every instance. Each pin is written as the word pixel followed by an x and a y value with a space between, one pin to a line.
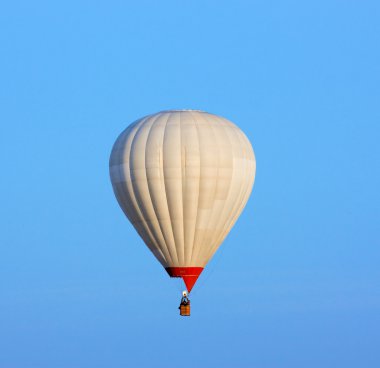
pixel 184 310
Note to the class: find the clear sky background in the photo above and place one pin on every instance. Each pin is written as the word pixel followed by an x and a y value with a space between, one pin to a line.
pixel 296 283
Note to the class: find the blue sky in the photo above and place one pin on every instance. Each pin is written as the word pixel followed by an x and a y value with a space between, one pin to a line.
pixel 297 282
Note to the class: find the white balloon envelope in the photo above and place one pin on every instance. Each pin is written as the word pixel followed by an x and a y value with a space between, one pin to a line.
pixel 182 177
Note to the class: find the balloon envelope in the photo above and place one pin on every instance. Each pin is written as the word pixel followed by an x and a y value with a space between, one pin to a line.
pixel 182 177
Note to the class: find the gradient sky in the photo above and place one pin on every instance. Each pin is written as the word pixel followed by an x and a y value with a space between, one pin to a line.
pixel 297 282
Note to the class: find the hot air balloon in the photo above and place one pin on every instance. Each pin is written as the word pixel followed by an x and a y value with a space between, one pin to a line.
pixel 182 178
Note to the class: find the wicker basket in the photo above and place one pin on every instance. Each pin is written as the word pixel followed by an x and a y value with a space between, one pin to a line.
pixel 184 310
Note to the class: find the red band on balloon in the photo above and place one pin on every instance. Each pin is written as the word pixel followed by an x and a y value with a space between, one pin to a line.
pixel 188 274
